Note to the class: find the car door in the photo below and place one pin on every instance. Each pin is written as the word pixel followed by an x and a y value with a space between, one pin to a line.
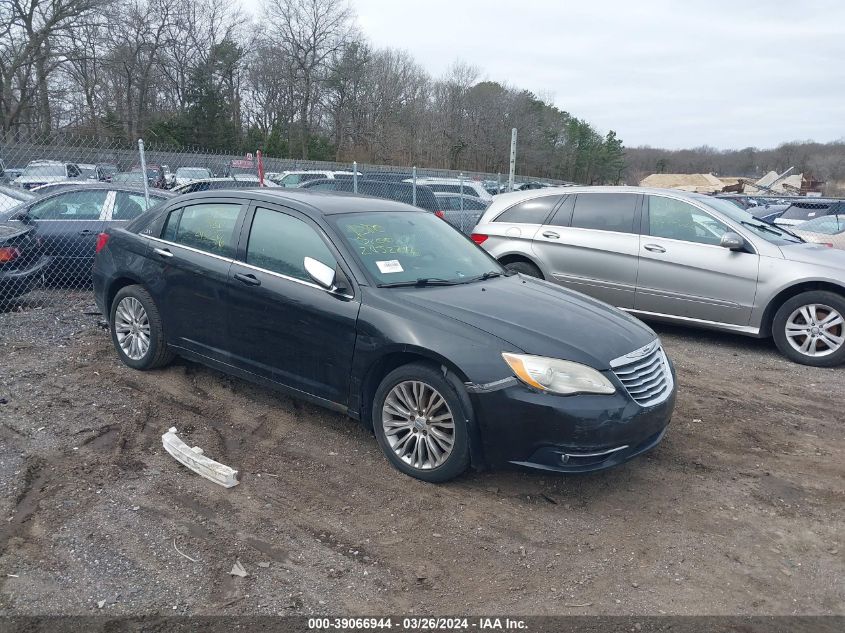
pixel 591 245
pixel 284 326
pixel 685 273
pixel 68 225
pixel 193 255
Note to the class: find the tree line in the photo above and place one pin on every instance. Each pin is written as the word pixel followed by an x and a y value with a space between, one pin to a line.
pixel 301 81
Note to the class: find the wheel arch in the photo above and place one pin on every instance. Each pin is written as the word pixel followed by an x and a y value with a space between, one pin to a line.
pixel 517 256
pixel 392 360
pixel 788 293
pixel 115 286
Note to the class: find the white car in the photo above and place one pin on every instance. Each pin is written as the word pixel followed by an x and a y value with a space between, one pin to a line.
pixel 184 175
pixel 456 185
pixel 294 178
pixel 40 172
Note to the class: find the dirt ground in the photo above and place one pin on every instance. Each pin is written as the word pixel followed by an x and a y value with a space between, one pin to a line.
pixel 738 511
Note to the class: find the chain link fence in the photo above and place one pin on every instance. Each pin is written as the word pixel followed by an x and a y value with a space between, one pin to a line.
pixel 58 195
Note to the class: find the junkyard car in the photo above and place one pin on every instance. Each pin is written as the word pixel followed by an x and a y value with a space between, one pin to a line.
pixel 384 312
pixel 680 257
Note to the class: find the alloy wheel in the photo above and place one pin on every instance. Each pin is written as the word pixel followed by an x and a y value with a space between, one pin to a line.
pixel 132 327
pixel 815 330
pixel 418 424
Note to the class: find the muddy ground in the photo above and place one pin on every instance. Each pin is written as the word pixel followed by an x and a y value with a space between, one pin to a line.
pixel 738 511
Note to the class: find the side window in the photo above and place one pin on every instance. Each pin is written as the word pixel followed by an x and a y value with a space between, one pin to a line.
pixel 128 206
pixel 677 220
pixel 73 205
pixel 280 242
pixel 605 211
pixel 534 211
pixel 73 171
pixel 209 227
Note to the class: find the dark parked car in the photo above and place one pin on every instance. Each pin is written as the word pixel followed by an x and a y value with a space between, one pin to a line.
pixel 809 209
pixel 462 212
pixel 22 261
pixel 68 221
pixel 399 191
pixel 242 181
pixel 381 311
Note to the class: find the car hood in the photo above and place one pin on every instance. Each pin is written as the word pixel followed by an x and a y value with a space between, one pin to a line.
pixel 810 253
pixel 538 318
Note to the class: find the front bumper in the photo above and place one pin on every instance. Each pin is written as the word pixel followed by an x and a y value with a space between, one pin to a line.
pixel 567 434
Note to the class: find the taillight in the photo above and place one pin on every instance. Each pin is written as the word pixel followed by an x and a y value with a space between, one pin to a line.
pixel 479 238
pixel 440 215
pixel 102 240
pixel 8 253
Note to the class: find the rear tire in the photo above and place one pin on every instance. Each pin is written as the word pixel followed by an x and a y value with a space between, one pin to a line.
pixel 525 268
pixel 137 331
pixel 420 422
pixel 810 328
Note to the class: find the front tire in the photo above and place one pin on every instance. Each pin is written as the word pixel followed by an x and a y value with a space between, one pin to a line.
pixel 420 423
pixel 810 328
pixel 137 331
pixel 526 268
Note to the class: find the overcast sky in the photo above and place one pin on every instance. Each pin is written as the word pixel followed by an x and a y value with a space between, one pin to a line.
pixel 662 73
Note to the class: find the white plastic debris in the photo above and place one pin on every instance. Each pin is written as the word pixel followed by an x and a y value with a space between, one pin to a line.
pixel 238 570
pixel 194 459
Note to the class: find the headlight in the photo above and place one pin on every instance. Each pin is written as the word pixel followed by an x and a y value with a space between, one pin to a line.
pixel 557 376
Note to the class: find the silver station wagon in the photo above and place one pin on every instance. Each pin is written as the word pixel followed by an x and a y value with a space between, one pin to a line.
pixel 678 257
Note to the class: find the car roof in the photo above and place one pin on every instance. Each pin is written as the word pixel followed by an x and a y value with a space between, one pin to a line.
pixel 311 202
pixel 111 187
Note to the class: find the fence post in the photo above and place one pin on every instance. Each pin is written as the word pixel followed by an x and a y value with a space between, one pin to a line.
pixel 498 182
pixel 512 169
pixel 355 176
pixel 414 187
pixel 144 171
pixel 462 201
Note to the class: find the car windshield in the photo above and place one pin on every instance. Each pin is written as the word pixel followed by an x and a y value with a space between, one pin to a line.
pixel 769 232
pixel 192 172
pixel 399 248
pixel 44 171
pixel 805 211
pixel 829 225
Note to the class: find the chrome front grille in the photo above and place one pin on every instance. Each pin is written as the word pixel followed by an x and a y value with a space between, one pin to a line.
pixel 645 373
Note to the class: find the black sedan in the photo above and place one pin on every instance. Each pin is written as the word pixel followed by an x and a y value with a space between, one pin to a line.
pixel 384 312
pixel 68 221
pixel 22 261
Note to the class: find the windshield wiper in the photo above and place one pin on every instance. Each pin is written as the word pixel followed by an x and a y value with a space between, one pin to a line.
pixel 422 281
pixel 485 276
pixel 764 227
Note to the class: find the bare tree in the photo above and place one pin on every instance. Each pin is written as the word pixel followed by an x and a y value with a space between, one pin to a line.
pixel 310 32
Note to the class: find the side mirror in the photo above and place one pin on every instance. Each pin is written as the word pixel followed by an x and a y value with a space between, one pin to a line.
pixel 732 241
pixel 321 274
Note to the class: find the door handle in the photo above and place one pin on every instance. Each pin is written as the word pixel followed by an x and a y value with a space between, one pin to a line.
pixel 654 248
pixel 551 235
pixel 163 252
pixel 248 279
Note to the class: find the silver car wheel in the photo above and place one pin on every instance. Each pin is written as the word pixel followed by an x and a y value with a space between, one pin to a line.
pixel 418 424
pixel 815 330
pixel 132 328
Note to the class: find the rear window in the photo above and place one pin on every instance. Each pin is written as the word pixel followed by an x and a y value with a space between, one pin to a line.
pixel 805 211
pixel 534 211
pixel 605 212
